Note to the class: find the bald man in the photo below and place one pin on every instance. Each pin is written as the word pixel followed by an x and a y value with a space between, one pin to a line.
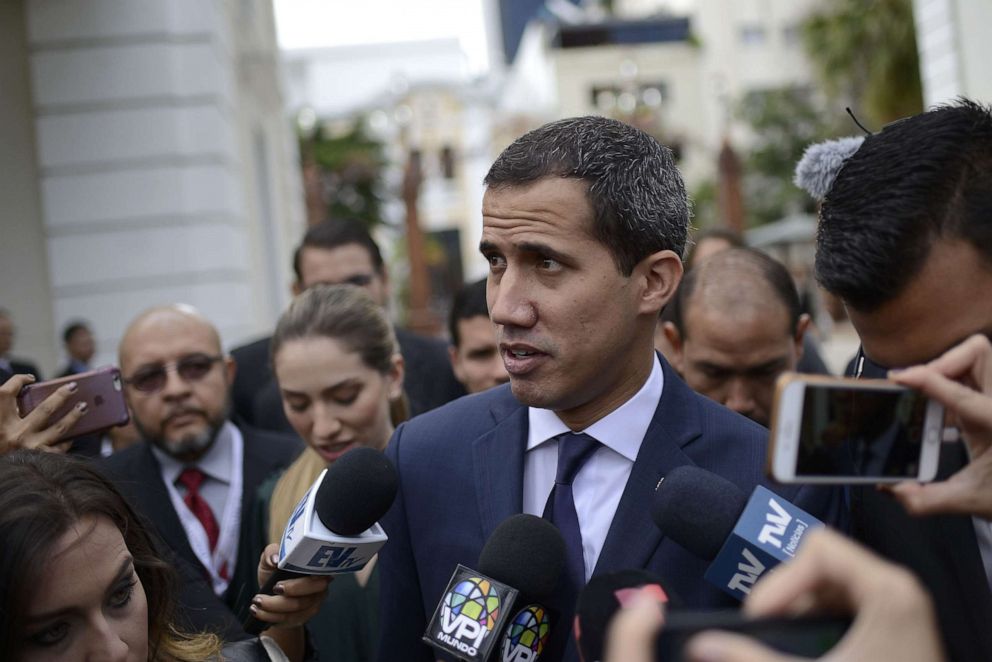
pixel 194 470
pixel 736 326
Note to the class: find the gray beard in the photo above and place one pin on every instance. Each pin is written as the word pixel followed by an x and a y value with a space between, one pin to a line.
pixel 190 447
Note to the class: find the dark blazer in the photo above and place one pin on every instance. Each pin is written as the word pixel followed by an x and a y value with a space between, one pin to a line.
pixel 429 381
pixel 461 474
pixel 136 473
pixel 18 367
pixel 942 550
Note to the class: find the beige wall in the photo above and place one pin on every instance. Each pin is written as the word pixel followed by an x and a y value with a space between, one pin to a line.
pixel 24 285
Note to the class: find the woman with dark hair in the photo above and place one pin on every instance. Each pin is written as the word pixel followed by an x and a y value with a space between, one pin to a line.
pixel 340 377
pixel 80 577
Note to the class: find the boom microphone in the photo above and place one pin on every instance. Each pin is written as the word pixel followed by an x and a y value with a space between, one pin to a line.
pixel 712 518
pixel 497 612
pixel 333 529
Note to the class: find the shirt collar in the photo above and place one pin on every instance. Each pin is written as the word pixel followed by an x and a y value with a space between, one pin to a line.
pixel 216 463
pixel 622 430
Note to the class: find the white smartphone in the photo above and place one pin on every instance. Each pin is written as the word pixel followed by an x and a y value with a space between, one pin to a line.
pixel 837 430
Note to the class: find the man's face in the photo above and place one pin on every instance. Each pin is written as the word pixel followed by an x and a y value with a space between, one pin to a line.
pixel 568 324
pixel 81 345
pixel 735 359
pixel 6 335
pixel 476 360
pixel 350 263
pixel 183 416
pixel 945 303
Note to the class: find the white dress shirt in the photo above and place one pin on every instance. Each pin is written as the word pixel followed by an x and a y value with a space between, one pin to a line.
pixel 222 466
pixel 600 483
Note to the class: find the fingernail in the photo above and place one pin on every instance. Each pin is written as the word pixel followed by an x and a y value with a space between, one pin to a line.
pixel 279 589
pixel 73 386
pixel 253 609
pixel 274 559
pixel 31 378
pixel 257 600
pixel 82 406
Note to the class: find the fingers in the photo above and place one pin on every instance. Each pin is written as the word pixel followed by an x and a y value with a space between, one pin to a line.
pixel 297 600
pixel 268 563
pixel 726 647
pixel 52 437
pixel 962 493
pixel 632 633
pixel 42 414
pixel 13 386
pixel 971 406
pixel 973 356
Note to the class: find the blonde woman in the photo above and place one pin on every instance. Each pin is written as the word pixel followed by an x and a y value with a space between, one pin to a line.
pixel 340 376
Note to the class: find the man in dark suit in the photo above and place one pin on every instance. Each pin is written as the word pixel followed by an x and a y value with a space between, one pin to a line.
pixel 905 240
pixel 336 252
pixel 77 338
pixel 194 470
pixel 584 222
pixel 10 366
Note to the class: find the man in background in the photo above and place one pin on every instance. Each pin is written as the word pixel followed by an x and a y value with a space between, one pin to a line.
pixel 334 253
pixel 474 355
pixel 736 326
pixel 194 471
pixel 10 365
pixel 77 338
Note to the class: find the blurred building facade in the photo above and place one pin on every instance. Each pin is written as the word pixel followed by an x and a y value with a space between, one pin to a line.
pixel 953 40
pixel 148 161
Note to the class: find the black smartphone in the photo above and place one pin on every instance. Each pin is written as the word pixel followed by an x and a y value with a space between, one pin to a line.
pixel 810 636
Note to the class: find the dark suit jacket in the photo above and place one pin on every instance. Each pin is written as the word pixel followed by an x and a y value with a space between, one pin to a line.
pixel 461 474
pixel 941 550
pixel 19 367
pixel 137 474
pixel 429 381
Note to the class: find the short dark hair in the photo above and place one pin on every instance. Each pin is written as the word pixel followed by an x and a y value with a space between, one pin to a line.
pixel 332 234
pixel 636 193
pixel 72 329
pixel 739 261
pixel 918 180
pixel 469 302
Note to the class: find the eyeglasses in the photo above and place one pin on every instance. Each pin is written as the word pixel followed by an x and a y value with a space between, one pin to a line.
pixel 192 368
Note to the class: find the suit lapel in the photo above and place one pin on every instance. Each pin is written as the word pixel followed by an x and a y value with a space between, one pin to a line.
pixel 158 505
pixel 498 464
pixel 633 536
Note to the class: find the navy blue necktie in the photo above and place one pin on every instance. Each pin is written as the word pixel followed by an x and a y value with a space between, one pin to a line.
pixel 573 452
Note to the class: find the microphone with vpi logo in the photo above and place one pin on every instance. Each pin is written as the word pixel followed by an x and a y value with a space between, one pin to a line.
pixel 333 529
pixel 712 518
pixel 497 612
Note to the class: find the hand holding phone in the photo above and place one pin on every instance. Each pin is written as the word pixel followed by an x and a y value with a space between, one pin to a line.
pixel 37 430
pixel 836 430
pixel 961 380
pixel 99 393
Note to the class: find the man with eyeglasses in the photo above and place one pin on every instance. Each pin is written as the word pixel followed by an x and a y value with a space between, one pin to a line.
pixel 905 240
pixel 195 470
pixel 337 252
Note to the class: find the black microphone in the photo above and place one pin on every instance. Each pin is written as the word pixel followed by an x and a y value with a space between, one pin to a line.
pixel 334 529
pixel 603 597
pixel 712 518
pixel 498 611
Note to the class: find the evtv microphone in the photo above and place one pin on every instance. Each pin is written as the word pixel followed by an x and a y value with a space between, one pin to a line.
pixel 497 611
pixel 712 518
pixel 603 597
pixel 333 529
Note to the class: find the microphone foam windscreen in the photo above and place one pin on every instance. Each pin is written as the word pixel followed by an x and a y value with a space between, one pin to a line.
pixel 603 596
pixel 697 509
pixel 527 553
pixel 358 489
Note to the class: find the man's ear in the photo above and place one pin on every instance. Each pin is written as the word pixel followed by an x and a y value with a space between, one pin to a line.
pixel 230 368
pixel 675 340
pixel 802 326
pixel 456 364
pixel 296 288
pixel 661 273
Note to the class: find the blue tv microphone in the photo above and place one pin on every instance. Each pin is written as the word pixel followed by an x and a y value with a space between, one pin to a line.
pixel 744 537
